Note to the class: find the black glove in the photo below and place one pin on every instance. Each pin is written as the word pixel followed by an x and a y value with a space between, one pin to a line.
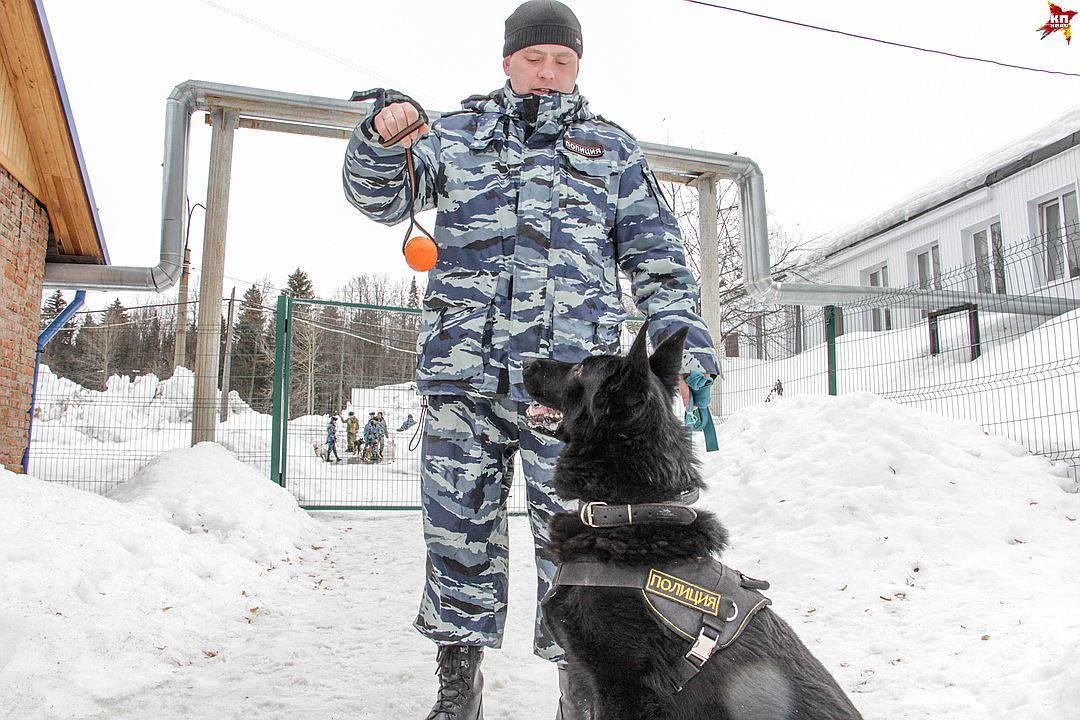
pixel 383 97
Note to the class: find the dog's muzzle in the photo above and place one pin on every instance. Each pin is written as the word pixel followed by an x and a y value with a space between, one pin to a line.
pixel 543 419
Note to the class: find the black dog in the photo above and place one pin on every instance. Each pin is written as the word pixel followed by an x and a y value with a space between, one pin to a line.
pixel 629 644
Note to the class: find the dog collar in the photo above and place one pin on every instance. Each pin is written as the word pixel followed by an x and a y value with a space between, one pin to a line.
pixel 675 512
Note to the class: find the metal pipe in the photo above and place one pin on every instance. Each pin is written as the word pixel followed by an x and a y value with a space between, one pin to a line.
pixel 178 110
pixel 43 339
pixel 757 275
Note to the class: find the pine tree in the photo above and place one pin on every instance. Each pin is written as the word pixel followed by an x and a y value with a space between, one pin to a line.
pixel 251 368
pixel 305 345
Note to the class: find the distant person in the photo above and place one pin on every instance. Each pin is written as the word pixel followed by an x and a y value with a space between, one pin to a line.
pixel 352 429
pixel 409 422
pixel 331 440
pixel 372 437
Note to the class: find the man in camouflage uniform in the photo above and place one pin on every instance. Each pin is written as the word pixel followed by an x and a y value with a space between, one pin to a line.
pixel 539 203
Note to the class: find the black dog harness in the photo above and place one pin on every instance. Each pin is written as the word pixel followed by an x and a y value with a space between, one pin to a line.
pixel 701 601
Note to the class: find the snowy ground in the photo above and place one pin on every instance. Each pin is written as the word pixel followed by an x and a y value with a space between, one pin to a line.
pixel 929 565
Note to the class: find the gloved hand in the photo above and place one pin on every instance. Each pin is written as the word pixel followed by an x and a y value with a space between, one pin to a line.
pixel 396 117
pixel 698 416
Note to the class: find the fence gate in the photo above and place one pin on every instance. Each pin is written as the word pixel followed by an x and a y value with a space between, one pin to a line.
pixel 335 358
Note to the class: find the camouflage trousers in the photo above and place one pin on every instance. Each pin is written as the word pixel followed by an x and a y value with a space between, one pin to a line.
pixel 469 447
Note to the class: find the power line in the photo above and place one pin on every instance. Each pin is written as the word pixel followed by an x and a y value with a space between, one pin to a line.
pixel 313 48
pixel 879 40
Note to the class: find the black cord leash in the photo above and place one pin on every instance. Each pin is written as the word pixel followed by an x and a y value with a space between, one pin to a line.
pixel 380 98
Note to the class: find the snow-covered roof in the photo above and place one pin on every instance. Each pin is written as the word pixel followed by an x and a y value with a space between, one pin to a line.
pixel 982 171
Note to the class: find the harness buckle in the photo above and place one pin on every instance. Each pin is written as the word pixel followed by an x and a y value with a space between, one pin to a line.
pixel 586 513
pixel 703 647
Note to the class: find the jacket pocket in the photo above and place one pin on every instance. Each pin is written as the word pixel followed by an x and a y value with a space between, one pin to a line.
pixel 455 326
pixel 586 320
pixel 588 191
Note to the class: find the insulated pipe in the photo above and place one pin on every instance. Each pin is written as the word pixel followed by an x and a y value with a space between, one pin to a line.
pixel 178 110
pixel 758 280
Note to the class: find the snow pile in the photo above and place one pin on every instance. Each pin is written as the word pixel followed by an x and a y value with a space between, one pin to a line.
pixel 125 410
pixel 922 559
pixel 205 490
pixel 100 598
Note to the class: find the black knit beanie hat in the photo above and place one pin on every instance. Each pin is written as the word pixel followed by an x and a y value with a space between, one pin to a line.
pixel 542 22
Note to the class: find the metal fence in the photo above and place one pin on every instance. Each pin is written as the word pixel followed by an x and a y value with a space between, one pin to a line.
pixel 112 393
pixel 1015 375
pixel 334 359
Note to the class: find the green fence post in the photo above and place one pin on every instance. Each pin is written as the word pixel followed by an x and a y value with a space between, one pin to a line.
pixel 278 421
pixel 830 343
pixel 286 385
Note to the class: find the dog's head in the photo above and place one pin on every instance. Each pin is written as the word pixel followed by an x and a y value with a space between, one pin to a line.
pixel 616 412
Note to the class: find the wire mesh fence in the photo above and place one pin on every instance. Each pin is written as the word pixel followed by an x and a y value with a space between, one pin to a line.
pixel 352 435
pixel 113 393
pixel 1015 375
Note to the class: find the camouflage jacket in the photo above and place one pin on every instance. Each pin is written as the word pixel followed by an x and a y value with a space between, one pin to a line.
pixel 530 233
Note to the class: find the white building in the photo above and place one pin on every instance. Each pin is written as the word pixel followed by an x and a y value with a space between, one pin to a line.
pixel 1009 218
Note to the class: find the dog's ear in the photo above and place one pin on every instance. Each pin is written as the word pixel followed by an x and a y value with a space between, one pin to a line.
pixel 667 360
pixel 637 359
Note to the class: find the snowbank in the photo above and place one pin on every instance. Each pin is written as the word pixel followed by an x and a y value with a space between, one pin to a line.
pixel 910 550
pixel 205 489
pixel 102 597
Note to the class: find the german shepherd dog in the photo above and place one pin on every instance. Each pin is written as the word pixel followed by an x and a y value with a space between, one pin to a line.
pixel 625 445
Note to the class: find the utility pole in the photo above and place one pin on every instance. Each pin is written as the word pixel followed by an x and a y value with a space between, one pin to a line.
pixel 227 369
pixel 180 346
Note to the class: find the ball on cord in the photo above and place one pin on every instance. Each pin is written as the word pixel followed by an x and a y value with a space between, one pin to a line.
pixel 421 254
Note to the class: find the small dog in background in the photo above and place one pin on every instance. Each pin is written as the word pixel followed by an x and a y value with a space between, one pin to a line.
pixel 653 625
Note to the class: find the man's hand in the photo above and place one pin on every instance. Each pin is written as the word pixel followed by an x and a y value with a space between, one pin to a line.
pixel 684 392
pixel 394 118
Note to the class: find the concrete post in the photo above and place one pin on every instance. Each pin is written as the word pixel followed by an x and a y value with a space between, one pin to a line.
pixel 208 330
pixel 710 269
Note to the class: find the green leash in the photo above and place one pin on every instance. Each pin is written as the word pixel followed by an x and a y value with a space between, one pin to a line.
pixel 698 415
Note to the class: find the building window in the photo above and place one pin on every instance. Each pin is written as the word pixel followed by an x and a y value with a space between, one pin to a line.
pixel 989 259
pixel 731 344
pixel 880 319
pixel 928 267
pixel 1060 233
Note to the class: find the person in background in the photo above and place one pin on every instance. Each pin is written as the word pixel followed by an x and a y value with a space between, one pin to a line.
pixel 331 440
pixel 409 422
pixel 372 438
pixel 352 428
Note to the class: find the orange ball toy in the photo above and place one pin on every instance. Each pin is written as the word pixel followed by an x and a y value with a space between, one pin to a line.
pixel 421 254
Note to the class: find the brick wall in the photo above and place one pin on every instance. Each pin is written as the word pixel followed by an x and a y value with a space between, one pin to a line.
pixel 24 233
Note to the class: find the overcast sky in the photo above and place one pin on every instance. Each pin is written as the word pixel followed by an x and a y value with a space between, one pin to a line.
pixel 840 127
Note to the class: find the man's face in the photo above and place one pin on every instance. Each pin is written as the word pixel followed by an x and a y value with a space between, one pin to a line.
pixel 542 69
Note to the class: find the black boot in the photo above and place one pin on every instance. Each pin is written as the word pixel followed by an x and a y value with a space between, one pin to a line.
pixel 461 684
pixel 573 703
